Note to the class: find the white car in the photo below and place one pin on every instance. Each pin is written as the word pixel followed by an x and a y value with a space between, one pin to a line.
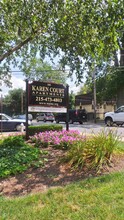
pixel 116 117
pixel 9 124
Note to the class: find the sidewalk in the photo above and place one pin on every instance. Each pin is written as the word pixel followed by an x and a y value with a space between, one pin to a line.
pixel 6 134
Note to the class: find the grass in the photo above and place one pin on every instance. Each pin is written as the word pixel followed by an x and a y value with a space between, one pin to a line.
pixel 100 198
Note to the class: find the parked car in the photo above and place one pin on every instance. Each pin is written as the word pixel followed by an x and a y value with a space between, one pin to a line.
pixel 116 117
pixel 48 116
pixel 9 124
pixel 60 117
pixel 74 116
pixel 23 116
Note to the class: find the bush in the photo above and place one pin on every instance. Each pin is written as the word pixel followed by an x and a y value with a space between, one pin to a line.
pixel 94 152
pixel 42 128
pixel 16 156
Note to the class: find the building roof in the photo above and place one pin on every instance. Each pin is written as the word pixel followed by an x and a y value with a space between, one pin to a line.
pixel 84 99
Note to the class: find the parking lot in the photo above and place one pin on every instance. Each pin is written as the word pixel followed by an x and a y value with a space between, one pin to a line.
pixel 86 128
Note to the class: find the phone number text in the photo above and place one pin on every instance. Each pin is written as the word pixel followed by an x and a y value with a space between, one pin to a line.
pixel 47 99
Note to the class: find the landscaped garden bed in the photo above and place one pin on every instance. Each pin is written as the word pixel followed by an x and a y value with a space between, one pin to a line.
pixel 56 158
pixel 52 179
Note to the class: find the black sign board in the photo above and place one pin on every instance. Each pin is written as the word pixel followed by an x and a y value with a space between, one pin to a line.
pixel 48 97
pixel 47 94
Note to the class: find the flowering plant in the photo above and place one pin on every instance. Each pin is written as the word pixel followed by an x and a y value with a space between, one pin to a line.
pixel 58 139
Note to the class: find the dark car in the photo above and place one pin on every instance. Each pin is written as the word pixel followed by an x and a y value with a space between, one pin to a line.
pixel 47 116
pixel 30 117
pixel 74 116
pixel 60 117
pixel 9 124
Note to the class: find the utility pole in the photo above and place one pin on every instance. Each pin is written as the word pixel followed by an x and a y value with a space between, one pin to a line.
pixel 1 109
pixel 27 131
pixel 94 94
pixel 67 107
pixel 22 102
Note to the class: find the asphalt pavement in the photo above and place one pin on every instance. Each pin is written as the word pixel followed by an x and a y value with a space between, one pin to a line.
pixel 86 128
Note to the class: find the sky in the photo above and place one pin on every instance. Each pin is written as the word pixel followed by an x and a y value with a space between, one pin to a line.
pixel 19 82
pixel 18 79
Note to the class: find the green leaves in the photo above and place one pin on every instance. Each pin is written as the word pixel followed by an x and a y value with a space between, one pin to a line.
pixel 16 156
pixel 75 30
pixel 35 69
pixel 14 102
pixel 94 152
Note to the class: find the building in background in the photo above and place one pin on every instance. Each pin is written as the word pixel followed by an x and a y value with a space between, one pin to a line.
pixel 85 101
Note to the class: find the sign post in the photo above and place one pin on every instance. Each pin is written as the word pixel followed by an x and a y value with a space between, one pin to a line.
pixel 67 106
pixel 27 132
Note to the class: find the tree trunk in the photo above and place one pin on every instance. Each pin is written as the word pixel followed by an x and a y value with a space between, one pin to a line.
pixel 120 93
pixel 120 97
pixel 122 53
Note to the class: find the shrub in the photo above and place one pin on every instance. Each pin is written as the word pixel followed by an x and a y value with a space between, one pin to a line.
pixel 74 155
pixel 42 128
pixel 94 152
pixel 16 156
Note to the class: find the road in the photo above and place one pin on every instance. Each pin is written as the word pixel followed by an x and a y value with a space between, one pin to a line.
pixel 91 128
pixel 86 128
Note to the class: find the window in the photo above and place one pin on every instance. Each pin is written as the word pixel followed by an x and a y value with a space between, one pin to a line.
pixel 121 109
pixel 2 117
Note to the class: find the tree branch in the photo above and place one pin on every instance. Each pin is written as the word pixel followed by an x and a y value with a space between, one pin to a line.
pixel 17 47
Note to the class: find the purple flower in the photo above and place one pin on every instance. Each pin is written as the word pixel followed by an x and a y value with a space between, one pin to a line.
pixel 58 138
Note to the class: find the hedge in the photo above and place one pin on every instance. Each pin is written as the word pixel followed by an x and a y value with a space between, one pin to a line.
pixel 41 128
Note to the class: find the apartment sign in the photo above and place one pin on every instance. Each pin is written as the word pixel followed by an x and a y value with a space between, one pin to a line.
pixel 44 96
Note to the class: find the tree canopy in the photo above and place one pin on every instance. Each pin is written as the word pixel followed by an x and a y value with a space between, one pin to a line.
pixel 35 69
pixel 14 102
pixel 77 30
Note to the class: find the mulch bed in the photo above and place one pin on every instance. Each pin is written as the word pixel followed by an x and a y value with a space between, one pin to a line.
pixel 53 174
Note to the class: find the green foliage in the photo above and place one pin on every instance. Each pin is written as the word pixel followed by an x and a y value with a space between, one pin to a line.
pixel 16 156
pixel 120 148
pixel 113 82
pixel 73 29
pixel 93 153
pixel 85 89
pixel 71 100
pixel 12 103
pixel 36 69
pixel 75 155
pixel 41 128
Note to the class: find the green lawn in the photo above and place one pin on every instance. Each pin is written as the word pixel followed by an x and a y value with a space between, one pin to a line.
pixel 100 198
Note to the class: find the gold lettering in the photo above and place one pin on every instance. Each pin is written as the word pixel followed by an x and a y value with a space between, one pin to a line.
pixel 33 88
pixel 56 90
pixel 40 88
pixel 47 89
